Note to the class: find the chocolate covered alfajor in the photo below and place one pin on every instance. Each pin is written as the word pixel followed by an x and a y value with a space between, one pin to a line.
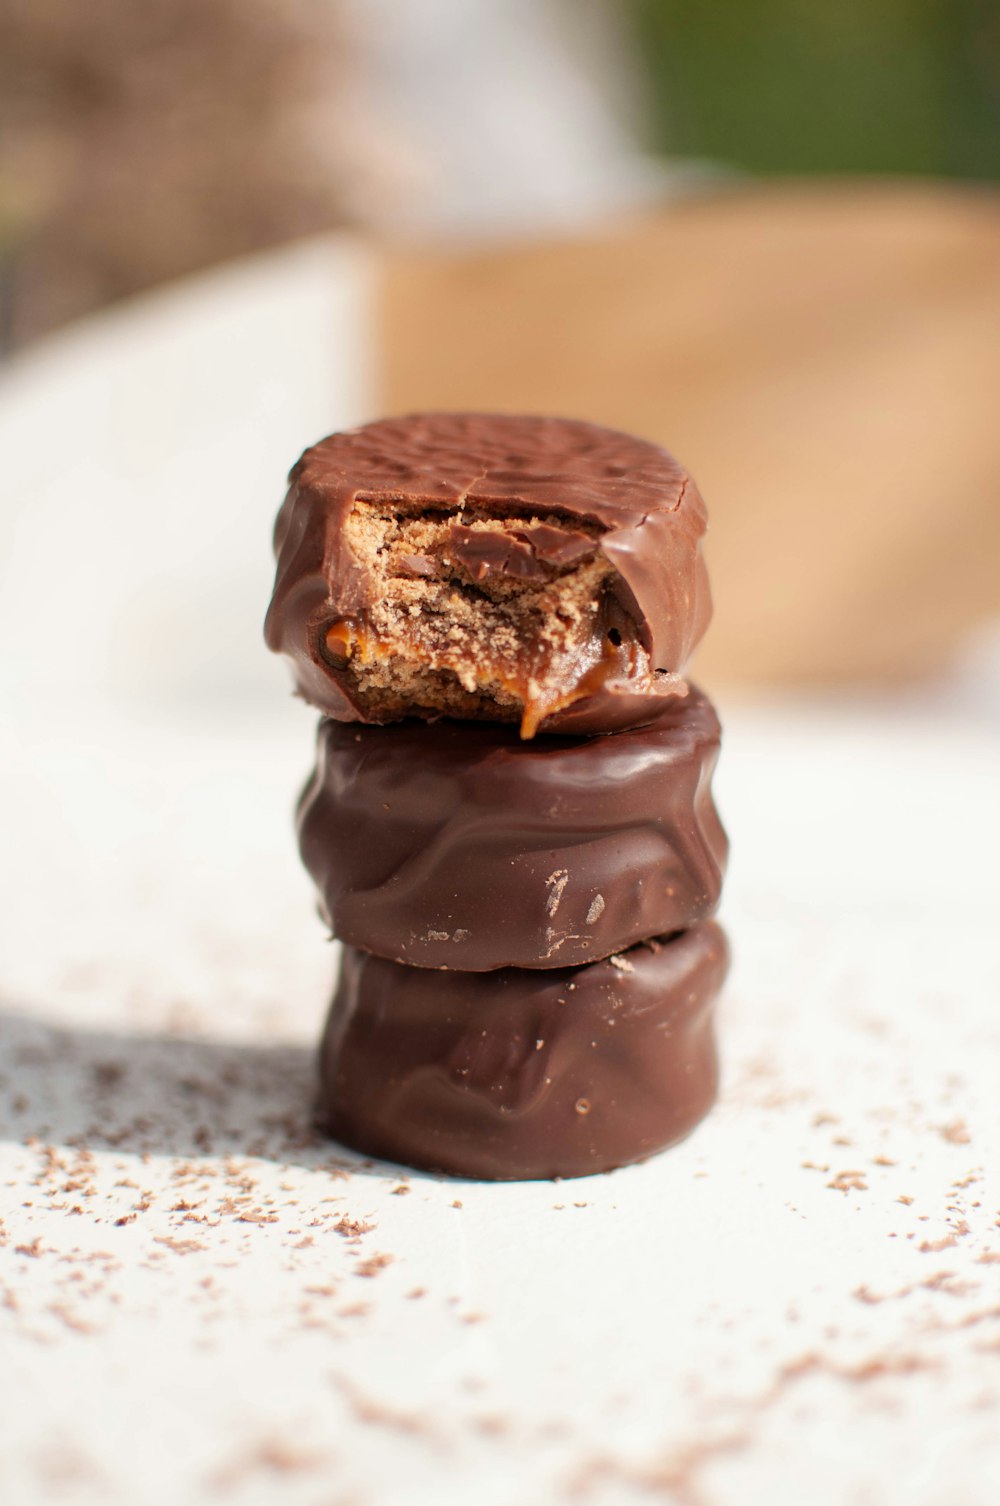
pixel 457 845
pixel 488 567
pixel 515 1074
pixel 510 822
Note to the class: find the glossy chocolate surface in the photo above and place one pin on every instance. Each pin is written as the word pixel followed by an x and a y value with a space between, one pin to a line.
pixel 457 845
pixel 635 505
pixel 517 1075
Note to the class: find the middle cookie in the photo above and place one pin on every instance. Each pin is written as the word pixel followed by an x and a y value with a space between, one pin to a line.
pixel 457 845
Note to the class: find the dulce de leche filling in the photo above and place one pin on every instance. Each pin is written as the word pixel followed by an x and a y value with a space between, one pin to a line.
pixel 473 616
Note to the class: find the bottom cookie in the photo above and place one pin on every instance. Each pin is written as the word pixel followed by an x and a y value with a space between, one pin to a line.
pixel 520 1073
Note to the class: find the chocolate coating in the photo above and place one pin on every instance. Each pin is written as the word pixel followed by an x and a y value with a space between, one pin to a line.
pixel 456 845
pixel 515 1075
pixel 647 512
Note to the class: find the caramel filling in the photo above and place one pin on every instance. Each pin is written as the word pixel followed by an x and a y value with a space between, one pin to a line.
pixel 476 616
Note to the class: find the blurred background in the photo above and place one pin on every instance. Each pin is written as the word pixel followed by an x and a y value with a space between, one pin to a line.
pixel 763 232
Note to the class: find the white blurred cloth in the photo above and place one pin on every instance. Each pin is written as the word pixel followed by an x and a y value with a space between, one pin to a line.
pixel 500 116
pixel 145 454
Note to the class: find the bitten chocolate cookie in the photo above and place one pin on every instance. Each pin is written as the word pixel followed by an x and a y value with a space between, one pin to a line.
pixel 514 1074
pixel 488 567
pixel 459 846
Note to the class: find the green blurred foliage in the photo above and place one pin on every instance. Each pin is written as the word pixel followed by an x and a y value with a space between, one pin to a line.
pixel 799 86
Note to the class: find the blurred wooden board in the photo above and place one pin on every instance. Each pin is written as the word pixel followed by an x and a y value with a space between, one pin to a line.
pixel 826 359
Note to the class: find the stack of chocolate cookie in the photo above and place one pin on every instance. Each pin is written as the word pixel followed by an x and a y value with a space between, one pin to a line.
pixel 510 823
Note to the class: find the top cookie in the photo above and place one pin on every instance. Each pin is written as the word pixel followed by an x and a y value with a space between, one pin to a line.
pixel 489 567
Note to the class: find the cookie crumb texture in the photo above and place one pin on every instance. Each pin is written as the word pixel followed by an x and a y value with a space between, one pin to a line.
pixel 478 616
pixel 488 568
